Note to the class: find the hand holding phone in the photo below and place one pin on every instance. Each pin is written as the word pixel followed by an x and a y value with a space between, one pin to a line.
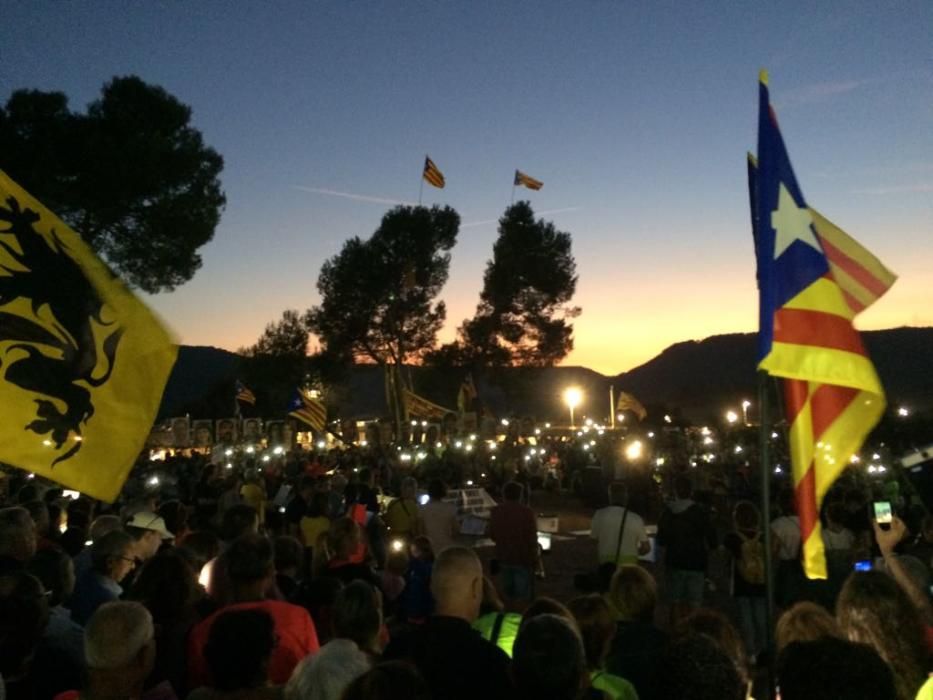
pixel 883 514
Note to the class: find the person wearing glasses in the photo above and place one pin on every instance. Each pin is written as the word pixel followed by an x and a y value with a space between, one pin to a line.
pixel 112 558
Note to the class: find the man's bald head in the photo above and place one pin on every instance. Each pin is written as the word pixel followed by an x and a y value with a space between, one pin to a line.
pixel 457 583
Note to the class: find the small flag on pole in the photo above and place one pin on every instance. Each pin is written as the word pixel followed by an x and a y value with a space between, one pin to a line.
pixel 83 361
pixel 627 402
pixel 527 181
pixel 418 406
pixel 432 174
pixel 308 410
pixel 812 280
pixel 244 394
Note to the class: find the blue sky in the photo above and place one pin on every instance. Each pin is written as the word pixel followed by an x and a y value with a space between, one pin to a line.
pixel 636 116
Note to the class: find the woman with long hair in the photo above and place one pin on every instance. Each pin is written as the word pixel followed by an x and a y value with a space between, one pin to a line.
pixel 873 609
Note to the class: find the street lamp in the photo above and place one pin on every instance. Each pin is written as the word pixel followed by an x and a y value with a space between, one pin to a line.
pixel 573 397
pixel 732 417
pixel 745 404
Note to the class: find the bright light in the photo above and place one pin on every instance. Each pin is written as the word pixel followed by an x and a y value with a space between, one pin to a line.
pixel 397 545
pixel 473 436
pixel 854 459
pixel 229 466
pixel 532 451
pixel 405 457
pixel 504 422
pixel 705 431
pixel 667 418
pixel 438 445
pixel 492 446
pixel 458 444
pixel 47 443
pixel 634 450
pixel 871 469
pixel 876 456
pixel 620 417
pixel 588 422
pixel 651 435
pixel 78 438
pixel 659 461
pixel 423 499
pixel 30 476
pixel 547 425
pixel 278 450
pixel 586 447
pixel 903 412
pixel 731 416
pixel 266 458
pixel 774 436
pixel 537 431
pixel 153 481
pixel 707 440
pixel 738 449
pixel 746 403
pixel 573 397
pixel 421 455
pixel 424 424
pixel 363 443
pixel 250 450
pixel 469 448
pixel 228 452
pixel 321 444
pixel 778 470
pixel 881 469
pixel 414 422
pixel 469 482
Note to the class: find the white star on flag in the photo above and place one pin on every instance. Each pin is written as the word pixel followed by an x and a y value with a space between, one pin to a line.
pixel 791 223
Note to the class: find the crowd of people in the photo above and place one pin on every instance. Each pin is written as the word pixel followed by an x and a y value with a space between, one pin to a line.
pixel 306 581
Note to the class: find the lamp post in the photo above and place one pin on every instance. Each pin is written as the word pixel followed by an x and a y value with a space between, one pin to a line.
pixel 745 404
pixel 573 397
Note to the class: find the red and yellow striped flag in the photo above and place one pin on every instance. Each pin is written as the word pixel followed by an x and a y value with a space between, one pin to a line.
pixel 813 279
pixel 419 406
pixel 432 174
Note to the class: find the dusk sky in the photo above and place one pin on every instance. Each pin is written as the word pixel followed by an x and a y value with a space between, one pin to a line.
pixel 635 115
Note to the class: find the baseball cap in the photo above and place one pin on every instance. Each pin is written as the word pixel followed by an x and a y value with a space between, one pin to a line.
pixel 147 520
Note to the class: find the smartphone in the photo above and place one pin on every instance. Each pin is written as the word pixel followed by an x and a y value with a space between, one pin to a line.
pixel 864 565
pixel 883 513
pixel 544 540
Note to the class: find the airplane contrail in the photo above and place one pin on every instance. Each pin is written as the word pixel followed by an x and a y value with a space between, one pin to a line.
pixel 351 195
pixel 471 224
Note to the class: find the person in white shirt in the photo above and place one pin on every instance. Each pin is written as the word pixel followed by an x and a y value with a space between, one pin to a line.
pixel 619 533
pixel 785 531
pixel 439 517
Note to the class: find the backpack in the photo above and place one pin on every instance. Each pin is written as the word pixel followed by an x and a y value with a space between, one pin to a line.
pixel 751 561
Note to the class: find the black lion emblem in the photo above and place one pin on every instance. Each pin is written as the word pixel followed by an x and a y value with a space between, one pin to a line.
pixel 54 285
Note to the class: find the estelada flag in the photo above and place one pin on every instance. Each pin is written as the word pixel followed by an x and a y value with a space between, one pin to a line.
pixel 526 181
pixel 812 278
pixel 83 362
pixel 432 174
pixel 627 402
pixel 308 410
pixel 245 394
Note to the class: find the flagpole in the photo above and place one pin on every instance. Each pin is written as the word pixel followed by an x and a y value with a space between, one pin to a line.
pixel 612 406
pixel 764 447
pixel 421 186
pixel 513 191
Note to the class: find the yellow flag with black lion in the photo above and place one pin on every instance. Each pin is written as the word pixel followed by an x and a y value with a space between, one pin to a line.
pixel 83 362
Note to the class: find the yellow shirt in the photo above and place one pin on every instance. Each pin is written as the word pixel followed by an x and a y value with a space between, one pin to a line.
pixel 313 528
pixel 402 516
pixel 253 495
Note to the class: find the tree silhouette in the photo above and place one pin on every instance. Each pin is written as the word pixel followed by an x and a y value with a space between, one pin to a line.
pixel 377 295
pixel 131 176
pixel 524 315
pixel 278 361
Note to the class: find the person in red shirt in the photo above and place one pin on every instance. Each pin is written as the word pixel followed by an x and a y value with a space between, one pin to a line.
pixel 514 528
pixel 250 569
